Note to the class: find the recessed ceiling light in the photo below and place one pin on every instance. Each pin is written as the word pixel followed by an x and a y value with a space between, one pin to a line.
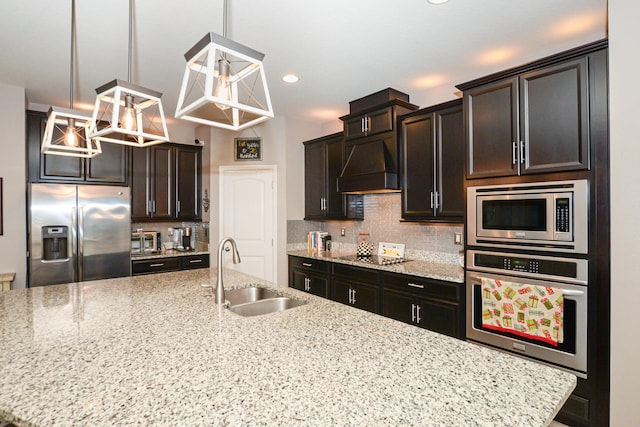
pixel 437 1
pixel 290 78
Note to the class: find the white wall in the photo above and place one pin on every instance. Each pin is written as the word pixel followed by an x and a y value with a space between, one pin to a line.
pixel 281 146
pixel 624 65
pixel 13 243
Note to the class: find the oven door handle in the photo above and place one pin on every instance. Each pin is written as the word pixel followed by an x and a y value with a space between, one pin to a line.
pixel 565 292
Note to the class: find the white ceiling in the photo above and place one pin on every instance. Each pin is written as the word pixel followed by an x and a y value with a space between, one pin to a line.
pixel 341 49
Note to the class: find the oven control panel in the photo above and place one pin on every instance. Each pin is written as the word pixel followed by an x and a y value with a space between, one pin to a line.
pixel 526 264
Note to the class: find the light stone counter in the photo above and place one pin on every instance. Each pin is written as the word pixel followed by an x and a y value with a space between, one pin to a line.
pixel 156 350
pixel 421 268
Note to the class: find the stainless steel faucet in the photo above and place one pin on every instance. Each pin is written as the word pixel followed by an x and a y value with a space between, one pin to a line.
pixel 236 259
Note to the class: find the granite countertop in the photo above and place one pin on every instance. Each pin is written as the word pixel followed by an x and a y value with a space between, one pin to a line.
pixel 157 350
pixel 421 268
pixel 167 253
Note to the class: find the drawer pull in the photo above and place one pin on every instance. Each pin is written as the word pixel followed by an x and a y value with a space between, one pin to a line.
pixel 415 285
pixel 157 265
pixel 195 261
pixel 306 264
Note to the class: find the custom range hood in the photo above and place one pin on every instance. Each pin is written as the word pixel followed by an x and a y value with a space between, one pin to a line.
pixel 371 142
pixel 370 168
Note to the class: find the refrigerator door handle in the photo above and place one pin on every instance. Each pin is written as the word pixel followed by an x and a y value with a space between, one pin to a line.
pixel 81 244
pixel 74 244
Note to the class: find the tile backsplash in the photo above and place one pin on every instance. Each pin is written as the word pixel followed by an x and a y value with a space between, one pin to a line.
pixel 382 222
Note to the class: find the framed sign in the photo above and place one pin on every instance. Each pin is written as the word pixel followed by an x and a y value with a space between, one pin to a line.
pixel 248 148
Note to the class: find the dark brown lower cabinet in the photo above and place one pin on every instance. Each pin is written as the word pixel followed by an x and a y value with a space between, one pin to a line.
pixel 359 295
pixel 436 315
pixel 309 275
pixel 162 265
pixel 356 286
pixel 427 303
pixel 431 304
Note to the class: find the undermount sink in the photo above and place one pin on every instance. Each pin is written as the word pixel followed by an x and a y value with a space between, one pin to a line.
pixel 245 295
pixel 265 306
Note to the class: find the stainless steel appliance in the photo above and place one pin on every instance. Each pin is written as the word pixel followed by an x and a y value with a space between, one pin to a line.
pixel 182 238
pixel 144 242
pixel 186 238
pixel 549 216
pixel 566 274
pixel 78 233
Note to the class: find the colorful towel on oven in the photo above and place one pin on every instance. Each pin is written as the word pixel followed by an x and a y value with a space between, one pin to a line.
pixel 534 312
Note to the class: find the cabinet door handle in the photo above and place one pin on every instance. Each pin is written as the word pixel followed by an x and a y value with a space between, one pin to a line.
pixel 415 285
pixel 349 295
pixel 513 153
pixel 179 206
pixel 353 296
pixel 362 125
pixel 432 200
pixel 521 151
pixel 153 203
pixel 417 313
pixel 436 204
pixel 413 313
pixel 195 261
pixel 306 264
pixel 156 265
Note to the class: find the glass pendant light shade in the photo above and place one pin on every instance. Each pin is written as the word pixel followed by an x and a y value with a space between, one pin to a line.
pixel 65 134
pixel 224 85
pixel 128 114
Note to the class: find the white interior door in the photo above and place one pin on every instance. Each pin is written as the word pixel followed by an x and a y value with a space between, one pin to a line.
pixel 248 214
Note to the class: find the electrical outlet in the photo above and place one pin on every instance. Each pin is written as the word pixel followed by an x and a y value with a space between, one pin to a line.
pixel 342 231
pixel 457 239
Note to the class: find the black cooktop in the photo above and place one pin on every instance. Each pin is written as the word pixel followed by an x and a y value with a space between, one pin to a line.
pixel 373 259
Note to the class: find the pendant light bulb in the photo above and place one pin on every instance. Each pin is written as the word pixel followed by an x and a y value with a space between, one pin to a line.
pixel 70 137
pixel 223 86
pixel 129 115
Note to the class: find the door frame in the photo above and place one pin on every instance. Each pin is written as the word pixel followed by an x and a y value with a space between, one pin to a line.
pixel 274 176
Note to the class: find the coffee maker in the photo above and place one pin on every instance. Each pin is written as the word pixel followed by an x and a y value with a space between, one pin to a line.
pixel 186 239
pixel 182 238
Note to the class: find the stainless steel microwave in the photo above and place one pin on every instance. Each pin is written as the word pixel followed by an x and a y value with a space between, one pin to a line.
pixel 145 242
pixel 546 216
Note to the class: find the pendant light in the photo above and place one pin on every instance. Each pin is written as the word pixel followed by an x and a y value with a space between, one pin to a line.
pixel 65 133
pixel 126 113
pixel 224 84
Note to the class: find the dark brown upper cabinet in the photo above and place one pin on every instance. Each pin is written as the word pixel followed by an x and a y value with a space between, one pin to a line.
pixel 188 183
pixel 432 148
pixel 323 161
pixel 532 121
pixel 109 167
pixel 166 182
pixel 371 123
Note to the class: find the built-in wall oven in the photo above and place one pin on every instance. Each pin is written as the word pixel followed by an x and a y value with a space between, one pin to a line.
pixel 527 274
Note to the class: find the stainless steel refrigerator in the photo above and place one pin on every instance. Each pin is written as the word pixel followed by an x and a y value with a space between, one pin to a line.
pixel 78 233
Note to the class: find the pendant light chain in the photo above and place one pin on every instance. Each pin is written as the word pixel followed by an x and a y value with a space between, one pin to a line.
pixel 72 55
pixel 224 19
pixel 130 40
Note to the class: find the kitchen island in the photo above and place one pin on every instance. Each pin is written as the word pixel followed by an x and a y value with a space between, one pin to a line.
pixel 156 350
